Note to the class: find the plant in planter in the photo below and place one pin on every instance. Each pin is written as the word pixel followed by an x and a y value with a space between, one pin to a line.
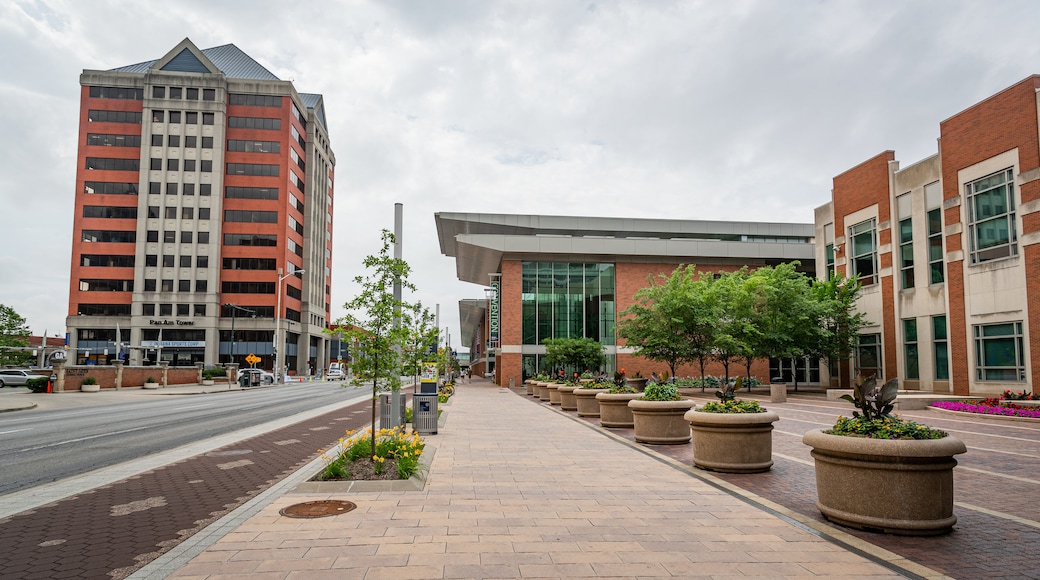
pixel 585 398
pixel 732 436
pixel 657 416
pixel 151 383
pixel 907 467
pixel 613 404
pixel 89 385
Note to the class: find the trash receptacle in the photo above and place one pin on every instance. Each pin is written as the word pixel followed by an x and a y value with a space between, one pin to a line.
pixel 243 381
pixel 424 413
pixel 387 418
pixel 254 379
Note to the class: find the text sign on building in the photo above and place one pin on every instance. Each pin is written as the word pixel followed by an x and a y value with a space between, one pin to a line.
pixel 173 343
pixel 493 314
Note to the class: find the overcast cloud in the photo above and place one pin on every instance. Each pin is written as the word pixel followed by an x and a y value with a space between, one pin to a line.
pixel 722 110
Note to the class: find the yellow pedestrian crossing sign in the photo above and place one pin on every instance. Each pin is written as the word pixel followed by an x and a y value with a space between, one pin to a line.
pixel 252 359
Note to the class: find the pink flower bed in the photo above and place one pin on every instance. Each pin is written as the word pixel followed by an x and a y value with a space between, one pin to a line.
pixel 984 409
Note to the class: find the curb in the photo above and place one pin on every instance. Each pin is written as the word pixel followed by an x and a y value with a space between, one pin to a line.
pixel 13 409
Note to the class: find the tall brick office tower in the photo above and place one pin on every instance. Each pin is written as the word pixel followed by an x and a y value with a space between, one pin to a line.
pixel 204 184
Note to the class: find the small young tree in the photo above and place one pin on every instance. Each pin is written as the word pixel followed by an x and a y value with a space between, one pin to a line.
pixel 421 336
pixel 371 322
pixel 578 353
pixel 660 322
pixel 838 322
pixel 14 333
pixel 735 333
pixel 784 312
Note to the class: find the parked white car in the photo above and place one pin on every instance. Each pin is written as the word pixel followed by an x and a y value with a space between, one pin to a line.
pixel 15 377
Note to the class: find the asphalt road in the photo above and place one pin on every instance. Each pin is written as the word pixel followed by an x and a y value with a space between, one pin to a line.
pixel 46 445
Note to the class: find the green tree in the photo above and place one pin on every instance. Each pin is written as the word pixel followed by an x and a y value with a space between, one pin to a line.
pixel 14 333
pixel 735 333
pixel 421 335
pixel 838 321
pixel 574 353
pixel 373 323
pixel 662 324
pixel 785 314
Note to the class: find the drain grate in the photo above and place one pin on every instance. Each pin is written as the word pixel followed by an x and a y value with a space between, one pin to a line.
pixel 318 509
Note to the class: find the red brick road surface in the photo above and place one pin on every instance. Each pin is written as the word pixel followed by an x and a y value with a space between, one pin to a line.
pixel 996 485
pixel 111 531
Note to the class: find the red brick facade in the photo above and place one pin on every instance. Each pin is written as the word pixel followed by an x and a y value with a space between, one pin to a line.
pixel 862 187
pixel 1004 125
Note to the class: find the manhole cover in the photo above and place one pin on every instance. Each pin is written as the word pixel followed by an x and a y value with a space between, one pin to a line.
pixel 318 509
pixel 229 452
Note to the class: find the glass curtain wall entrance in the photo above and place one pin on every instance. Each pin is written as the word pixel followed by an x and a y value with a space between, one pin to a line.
pixel 566 300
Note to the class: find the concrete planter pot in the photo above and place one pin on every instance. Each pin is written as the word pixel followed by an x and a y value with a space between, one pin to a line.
pixel 539 388
pixel 568 402
pixel 586 403
pixel 90 388
pixel 732 442
pixel 614 410
pixel 554 394
pixel 148 385
pixel 529 386
pixel 661 422
pixel 902 487
pixel 207 382
pixel 543 395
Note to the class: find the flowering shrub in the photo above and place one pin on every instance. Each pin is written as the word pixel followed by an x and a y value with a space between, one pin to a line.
pixel 1010 395
pixel 394 447
pixel 989 407
pixel 891 427
pixel 660 392
pixel 601 385
pixel 733 406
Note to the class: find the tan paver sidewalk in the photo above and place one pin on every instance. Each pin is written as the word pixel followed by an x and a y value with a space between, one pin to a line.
pixel 517 490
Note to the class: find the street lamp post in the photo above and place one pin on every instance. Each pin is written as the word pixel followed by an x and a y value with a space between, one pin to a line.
pixel 278 368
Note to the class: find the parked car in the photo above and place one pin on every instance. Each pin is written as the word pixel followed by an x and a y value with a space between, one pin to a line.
pixel 262 376
pixel 15 377
pixel 335 372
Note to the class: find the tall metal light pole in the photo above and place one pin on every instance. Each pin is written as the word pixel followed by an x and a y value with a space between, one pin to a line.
pixel 278 325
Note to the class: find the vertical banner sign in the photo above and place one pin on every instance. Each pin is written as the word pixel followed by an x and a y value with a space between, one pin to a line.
pixel 493 314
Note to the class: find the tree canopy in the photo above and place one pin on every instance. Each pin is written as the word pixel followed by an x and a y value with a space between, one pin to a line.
pixel 14 332
pixel 771 312
pixel 577 354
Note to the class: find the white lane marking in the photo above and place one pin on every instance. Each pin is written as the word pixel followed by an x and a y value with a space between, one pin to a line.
pixel 192 406
pixel 16 430
pixel 1002 515
pixel 795 459
pixel 995 474
pixel 85 438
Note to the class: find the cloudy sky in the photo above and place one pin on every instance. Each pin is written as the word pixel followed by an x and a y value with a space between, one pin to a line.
pixel 725 109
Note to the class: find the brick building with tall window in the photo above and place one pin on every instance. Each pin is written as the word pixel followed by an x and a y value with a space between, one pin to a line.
pixel 204 191
pixel 947 249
